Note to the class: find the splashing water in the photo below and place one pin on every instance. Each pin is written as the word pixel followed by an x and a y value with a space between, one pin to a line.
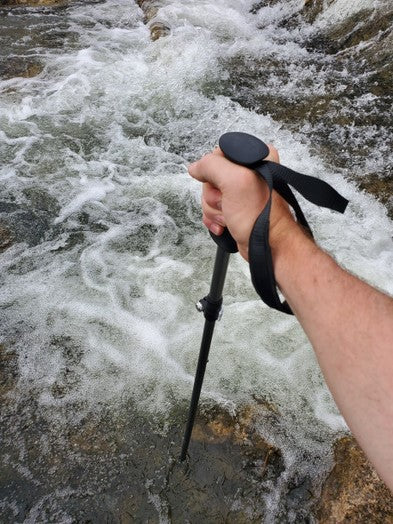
pixel 109 253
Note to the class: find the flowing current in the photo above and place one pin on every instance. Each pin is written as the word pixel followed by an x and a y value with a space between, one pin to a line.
pixel 107 256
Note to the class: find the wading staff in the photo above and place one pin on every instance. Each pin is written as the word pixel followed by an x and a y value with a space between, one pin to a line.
pixel 211 306
pixel 250 152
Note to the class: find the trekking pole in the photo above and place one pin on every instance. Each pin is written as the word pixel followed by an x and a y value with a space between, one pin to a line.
pixel 211 306
pixel 248 151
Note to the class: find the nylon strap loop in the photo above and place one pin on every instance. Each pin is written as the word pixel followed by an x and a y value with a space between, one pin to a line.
pixel 260 258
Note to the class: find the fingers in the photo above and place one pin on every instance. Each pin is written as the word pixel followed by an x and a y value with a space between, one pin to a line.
pixel 211 207
pixel 215 169
pixel 212 196
pixel 213 227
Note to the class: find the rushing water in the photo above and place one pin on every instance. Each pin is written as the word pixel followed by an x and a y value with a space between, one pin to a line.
pixel 99 333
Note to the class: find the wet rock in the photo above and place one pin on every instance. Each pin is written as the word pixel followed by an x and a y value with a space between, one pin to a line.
pixel 381 187
pixel 228 470
pixel 6 237
pixel 8 371
pixel 360 27
pixel 343 120
pixel 158 29
pixel 150 10
pixel 353 491
pixel 259 5
pixel 299 493
pixel 31 3
pixel 21 68
pixel 312 8
pixel 219 427
pixel 88 440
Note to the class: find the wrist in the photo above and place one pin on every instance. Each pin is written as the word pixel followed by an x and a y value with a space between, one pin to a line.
pixel 287 244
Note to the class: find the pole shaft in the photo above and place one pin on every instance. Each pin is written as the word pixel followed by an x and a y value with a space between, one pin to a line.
pixel 219 274
pixel 215 294
pixel 200 372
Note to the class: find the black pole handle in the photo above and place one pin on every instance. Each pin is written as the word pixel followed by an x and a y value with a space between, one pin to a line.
pixel 225 241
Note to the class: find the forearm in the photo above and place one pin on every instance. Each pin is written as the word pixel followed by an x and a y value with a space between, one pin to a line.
pixel 350 326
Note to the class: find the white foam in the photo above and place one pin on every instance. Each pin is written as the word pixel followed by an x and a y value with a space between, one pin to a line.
pixel 339 10
pixel 89 191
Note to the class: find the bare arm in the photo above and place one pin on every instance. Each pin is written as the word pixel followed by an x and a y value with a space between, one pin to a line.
pixel 349 323
pixel 350 326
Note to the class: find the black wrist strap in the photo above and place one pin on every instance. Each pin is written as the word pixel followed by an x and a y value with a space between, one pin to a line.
pixel 247 150
pixel 316 191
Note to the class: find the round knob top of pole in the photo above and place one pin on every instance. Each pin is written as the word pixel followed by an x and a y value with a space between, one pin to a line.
pixel 243 148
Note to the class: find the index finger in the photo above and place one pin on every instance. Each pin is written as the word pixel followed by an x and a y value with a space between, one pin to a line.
pixel 215 169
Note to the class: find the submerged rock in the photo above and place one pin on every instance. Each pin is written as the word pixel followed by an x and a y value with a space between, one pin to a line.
pixel 30 221
pixel 353 492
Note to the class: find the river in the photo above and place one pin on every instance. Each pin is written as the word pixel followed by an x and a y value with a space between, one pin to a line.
pixel 106 254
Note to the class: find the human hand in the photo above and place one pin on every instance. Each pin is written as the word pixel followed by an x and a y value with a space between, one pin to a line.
pixel 233 196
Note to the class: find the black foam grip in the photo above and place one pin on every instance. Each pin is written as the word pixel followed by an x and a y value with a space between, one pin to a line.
pixel 225 241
